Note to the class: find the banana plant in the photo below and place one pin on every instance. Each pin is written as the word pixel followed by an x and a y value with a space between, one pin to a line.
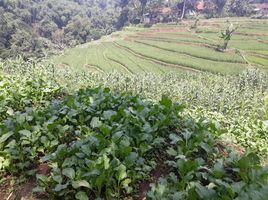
pixel 226 35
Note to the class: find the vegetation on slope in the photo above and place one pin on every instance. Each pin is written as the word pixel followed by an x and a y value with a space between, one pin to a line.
pixel 172 48
pixel 102 144
pixel 36 28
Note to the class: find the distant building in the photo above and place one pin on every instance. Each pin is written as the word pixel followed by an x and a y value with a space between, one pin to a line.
pixel 161 14
pixel 170 14
pixel 261 7
pixel 200 5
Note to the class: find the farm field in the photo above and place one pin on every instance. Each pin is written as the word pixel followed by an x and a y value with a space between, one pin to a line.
pixel 143 114
pixel 174 48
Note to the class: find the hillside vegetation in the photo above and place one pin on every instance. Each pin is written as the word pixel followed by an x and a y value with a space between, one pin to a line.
pixel 152 101
pixel 111 143
pixel 177 48
pixel 39 28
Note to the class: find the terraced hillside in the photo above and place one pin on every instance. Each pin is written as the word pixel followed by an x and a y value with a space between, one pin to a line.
pixel 174 48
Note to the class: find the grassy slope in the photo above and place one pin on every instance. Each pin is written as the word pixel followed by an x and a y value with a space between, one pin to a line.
pixel 157 48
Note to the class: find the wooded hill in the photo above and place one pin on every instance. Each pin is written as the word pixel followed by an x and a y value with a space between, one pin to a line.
pixel 31 27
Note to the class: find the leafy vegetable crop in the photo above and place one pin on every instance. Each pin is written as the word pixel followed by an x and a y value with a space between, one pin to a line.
pixel 99 144
pixel 200 168
pixel 16 93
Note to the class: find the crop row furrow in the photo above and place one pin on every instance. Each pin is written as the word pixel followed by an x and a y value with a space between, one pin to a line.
pixel 195 42
pixel 121 64
pixel 156 60
pixel 94 67
pixel 189 54
pixel 124 58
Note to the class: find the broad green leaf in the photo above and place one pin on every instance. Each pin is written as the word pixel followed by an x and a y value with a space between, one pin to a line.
pixel 39 189
pixel 5 137
pixel 108 114
pixel 68 162
pixel 204 192
pixel 80 183
pixel 10 111
pixel 205 146
pixel 172 152
pixel 121 172
pixel 69 172
pixel 57 178
pixel 116 136
pixel 106 161
pixel 166 101
pixel 248 161
pixel 174 138
pixel 81 196
pixel 95 122
pixel 60 187
pixel 26 133
pixel 126 182
pixel 42 178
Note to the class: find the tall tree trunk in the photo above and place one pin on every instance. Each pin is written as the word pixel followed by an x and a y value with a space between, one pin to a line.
pixel 183 9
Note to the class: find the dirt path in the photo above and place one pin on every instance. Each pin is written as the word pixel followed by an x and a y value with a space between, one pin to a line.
pixel 145 186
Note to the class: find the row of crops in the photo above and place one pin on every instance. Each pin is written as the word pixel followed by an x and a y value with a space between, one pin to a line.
pixel 177 48
pixel 235 101
pixel 108 57
pixel 102 143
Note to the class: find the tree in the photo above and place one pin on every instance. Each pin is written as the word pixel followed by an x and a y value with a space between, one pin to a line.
pixel 220 4
pixel 215 8
pixel 240 7
pixel 183 9
pixel 184 5
pixel 143 5
pixel 57 23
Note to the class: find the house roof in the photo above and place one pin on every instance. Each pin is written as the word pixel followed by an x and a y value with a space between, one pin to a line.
pixel 261 6
pixel 166 10
pixel 200 5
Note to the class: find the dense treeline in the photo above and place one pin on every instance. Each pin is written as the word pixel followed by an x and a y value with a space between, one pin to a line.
pixel 31 27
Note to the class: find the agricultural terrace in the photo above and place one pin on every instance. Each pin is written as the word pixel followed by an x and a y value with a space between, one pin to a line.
pixel 174 48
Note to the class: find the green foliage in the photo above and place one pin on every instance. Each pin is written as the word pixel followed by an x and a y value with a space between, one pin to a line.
pixel 18 93
pixel 169 48
pixel 226 178
pixel 180 59
pixel 110 134
pixel 18 98
pixel 33 28
pixel 241 7
pixel 99 143
pixel 199 52
pixel 227 34
pixel 234 103
pixel 199 170
pixel 38 28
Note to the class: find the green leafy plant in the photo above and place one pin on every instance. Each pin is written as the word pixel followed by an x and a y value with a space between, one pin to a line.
pixel 226 35
pixel 200 171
